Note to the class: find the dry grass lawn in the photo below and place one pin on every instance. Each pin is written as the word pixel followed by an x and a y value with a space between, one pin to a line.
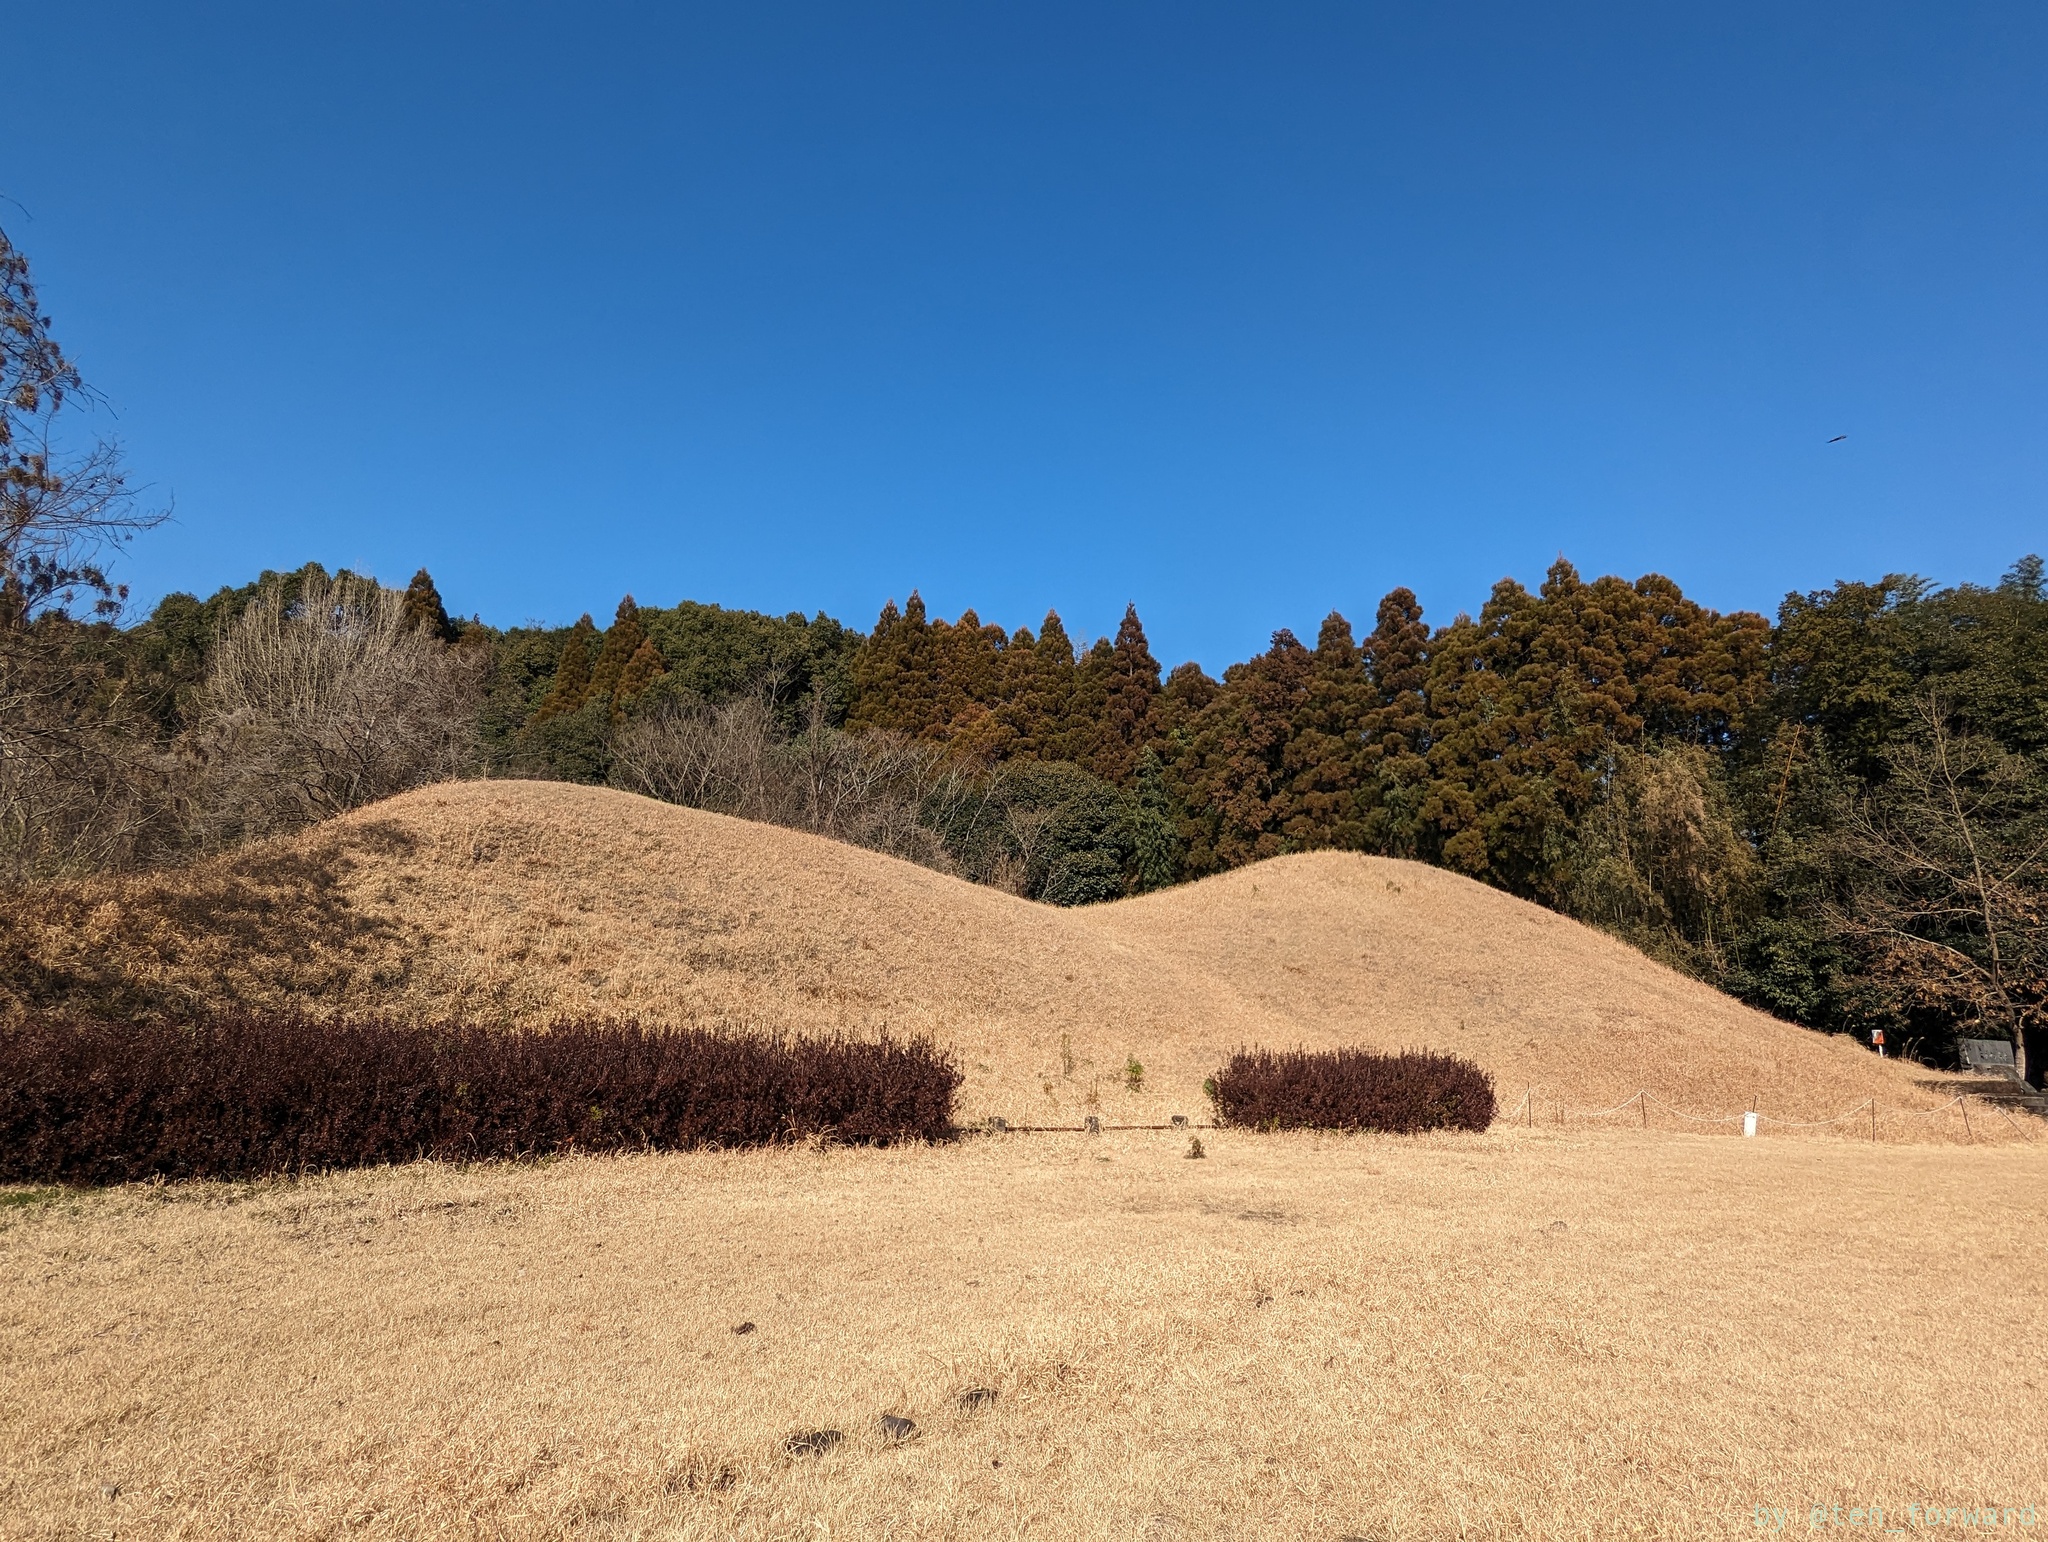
pixel 1533 1333
pixel 522 900
pixel 1512 1335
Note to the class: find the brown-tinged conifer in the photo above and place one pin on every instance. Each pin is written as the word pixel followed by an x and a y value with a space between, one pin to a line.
pixel 1038 688
pixel 887 690
pixel 1234 774
pixel 1186 692
pixel 875 668
pixel 915 708
pixel 1325 760
pixel 622 639
pixel 423 607
pixel 642 669
pixel 1530 703
pixel 571 687
pixel 1054 665
pixel 1396 737
pixel 968 662
pixel 1081 742
pixel 1114 696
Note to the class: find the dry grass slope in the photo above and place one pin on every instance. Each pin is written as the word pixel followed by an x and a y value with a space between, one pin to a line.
pixel 520 900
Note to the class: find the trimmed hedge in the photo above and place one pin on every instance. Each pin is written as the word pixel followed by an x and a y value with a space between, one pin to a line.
pixel 241 1094
pixel 1353 1089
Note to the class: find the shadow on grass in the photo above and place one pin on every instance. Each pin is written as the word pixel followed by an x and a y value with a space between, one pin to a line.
pixel 263 927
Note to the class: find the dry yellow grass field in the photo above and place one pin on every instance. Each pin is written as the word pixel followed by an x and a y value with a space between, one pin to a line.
pixel 521 900
pixel 1597 1330
pixel 1523 1334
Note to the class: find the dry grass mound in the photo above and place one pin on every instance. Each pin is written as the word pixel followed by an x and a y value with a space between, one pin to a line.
pixel 521 901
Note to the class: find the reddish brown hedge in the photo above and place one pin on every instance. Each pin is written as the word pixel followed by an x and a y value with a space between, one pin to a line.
pixel 1353 1089
pixel 236 1095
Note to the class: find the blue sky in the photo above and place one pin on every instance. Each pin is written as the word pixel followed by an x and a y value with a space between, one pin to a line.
pixel 1241 313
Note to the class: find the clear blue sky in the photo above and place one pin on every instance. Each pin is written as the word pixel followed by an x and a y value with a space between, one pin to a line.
pixel 1239 312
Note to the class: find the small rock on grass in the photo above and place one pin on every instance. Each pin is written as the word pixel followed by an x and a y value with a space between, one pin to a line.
pixel 812 1442
pixel 895 1428
pixel 745 1327
pixel 977 1397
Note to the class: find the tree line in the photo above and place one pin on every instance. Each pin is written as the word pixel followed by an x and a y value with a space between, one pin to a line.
pixel 1839 814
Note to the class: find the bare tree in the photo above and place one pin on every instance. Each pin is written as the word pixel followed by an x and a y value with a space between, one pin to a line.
pixel 80 782
pixel 1949 902
pixel 58 513
pixel 870 789
pixel 83 783
pixel 1017 827
pixel 327 702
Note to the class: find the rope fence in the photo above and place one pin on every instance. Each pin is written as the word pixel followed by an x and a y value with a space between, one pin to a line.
pixel 1555 1111
pixel 1530 1112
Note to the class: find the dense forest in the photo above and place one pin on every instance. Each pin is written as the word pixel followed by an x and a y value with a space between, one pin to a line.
pixel 1839 814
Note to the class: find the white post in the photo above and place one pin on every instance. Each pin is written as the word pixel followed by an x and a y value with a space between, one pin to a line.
pixel 1749 1124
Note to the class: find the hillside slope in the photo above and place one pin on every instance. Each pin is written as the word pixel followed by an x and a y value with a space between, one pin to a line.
pixel 520 901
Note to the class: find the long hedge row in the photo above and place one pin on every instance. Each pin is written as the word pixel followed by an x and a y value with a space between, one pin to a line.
pixel 237 1095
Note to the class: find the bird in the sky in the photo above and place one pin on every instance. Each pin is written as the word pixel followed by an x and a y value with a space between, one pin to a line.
pixel 1838 439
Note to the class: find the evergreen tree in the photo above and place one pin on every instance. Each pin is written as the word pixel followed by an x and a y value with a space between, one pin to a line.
pixel 1519 695
pixel 896 675
pixel 877 672
pixel 1048 709
pixel 1325 759
pixel 622 639
pixel 1081 739
pixel 1113 702
pixel 1855 662
pixel 877 669
pixel 1396 735
pixel 1186 692
pixel 1071 834
pixel 1053 642
pixel 968 660
pixel 1031 691
pixel 423 607
pixel 2027 580
pixel 641 671
pixel 1529 705
pixel 1154 837
pixel 1698 674
pixel 1233 773
pixel 1014 691
pixel 571 686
